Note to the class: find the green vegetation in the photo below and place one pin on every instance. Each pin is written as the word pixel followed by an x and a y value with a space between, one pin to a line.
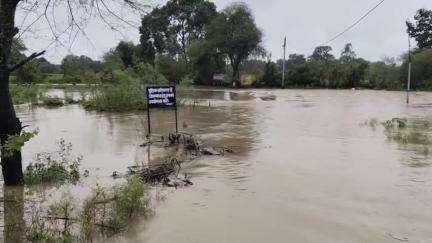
pixel 402 132
pixel 54 168
pixel 170 29
pixel 121 97
pixel 51 101
pixel 23 94
pixel 234 33
pixel 421 29
pixel 422 69
pixel 412 135
pixel 191 41
pixel 125 202
pixel 125 89
pixel 104 214
pixel 16 142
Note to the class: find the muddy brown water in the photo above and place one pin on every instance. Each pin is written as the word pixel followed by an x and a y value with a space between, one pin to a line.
pixel 304 170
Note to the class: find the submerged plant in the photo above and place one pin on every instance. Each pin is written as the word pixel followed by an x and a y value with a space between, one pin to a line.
pixel 110 212
pixel 396 122
pixel 51 101
pixel 58 167
pixel 104 214
pixel 54 224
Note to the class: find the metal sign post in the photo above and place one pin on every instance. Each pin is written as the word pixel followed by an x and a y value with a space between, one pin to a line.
pixel 283 64
pixel 161 97
pixel 409 71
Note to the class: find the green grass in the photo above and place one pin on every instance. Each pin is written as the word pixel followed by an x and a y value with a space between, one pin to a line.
pixel 23 94
pixel 54 78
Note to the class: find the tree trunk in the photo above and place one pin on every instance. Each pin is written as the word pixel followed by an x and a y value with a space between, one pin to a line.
pixel 9 123
pixel 235 66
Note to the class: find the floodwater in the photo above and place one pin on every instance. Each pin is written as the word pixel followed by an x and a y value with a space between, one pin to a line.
pixel 304 168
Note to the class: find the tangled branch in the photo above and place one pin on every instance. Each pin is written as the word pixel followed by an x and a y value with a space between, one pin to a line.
pixel 63 21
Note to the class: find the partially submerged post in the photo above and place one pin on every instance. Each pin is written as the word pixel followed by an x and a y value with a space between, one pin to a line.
pixel 409 71
pixel 283 63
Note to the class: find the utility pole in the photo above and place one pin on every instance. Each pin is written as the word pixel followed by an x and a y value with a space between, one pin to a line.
pixel 283 65
pixel 409 71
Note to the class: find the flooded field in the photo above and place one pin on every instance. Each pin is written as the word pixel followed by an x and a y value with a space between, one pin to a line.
pixel 307 167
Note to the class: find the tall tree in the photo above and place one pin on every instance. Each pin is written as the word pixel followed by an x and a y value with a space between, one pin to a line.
pixel 171 28
pixel 421 30
pixel 235 34
pixel 78 14
pixel 206 61
pixel 322 53
pixel 348 54
pixel 128 53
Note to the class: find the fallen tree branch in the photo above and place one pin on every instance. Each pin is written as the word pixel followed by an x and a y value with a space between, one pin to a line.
pixel 25 61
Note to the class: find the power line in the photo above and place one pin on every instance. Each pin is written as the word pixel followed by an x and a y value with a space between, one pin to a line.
pixel 355 23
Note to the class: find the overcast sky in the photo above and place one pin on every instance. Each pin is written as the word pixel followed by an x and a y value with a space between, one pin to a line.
pixel 306 23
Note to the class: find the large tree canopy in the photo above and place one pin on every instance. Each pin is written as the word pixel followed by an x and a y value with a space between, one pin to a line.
pixel 322 53
pixel 348 53
pixel 234 33
pixel 421 29
pixel 171 28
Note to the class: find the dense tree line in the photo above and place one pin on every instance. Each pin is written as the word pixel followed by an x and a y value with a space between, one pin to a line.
pixel 189 41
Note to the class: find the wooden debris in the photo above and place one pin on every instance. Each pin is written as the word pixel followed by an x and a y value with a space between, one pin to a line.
pixel 167 172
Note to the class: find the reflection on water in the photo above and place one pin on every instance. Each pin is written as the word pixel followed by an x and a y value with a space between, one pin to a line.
pixel 13 214
pixel 303 169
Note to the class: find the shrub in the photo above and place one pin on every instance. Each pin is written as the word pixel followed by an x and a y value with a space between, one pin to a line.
pixel 122 97
pixel 59 167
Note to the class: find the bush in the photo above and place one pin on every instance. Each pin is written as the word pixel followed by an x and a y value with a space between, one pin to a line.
pixel 57 167
pixel 121 97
